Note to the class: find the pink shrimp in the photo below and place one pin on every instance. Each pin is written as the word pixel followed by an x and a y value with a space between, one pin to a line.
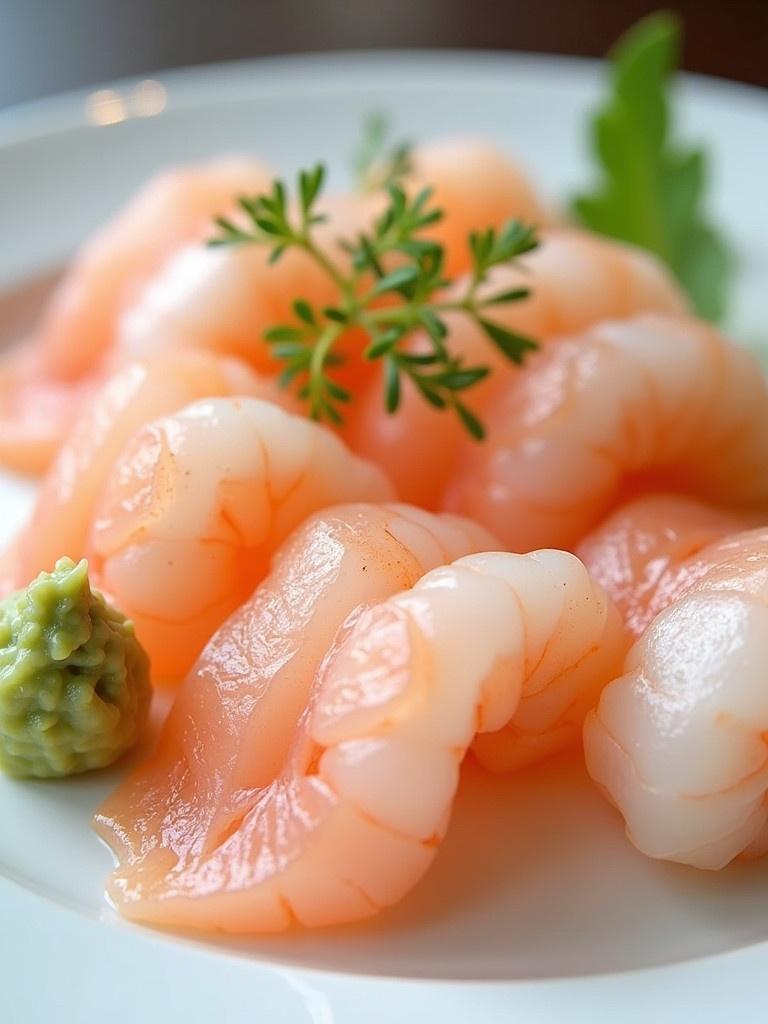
pixel 678 742
pixel 282 791
pixel 146 283
pixel 651 403
pixel 194 507
pixel 575 280
pixel 43 383
pixel 62 517
pixel 637 553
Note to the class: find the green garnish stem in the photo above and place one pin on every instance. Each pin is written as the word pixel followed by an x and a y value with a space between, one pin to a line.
pixel 392 282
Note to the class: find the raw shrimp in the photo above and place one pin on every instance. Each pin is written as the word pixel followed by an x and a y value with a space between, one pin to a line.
pixel 678 743
pixel 652 403
pixel 42 384
pixel 225 298
pixel 146 283
pixel 637 553
pixel 35 410
pixel 477 187
pixel 575 279
pixel 283 789
pixel 141 391
pixel 195 506
pixel 174 207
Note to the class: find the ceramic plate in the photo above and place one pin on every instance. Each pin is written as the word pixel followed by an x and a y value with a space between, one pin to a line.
pixel 537 908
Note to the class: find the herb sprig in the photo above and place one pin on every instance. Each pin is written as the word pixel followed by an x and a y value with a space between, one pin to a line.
pixel 651 187
pixel 377 162
pixel 391 282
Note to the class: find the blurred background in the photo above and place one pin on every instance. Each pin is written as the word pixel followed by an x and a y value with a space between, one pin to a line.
pixel 47 46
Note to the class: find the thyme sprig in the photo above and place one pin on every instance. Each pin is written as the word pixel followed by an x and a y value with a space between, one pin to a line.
pixel 390 282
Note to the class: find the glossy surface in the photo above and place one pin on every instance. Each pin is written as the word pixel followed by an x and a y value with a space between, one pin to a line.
pixel 41 388
pixel 652 402
pixel 678 742
pixel 638 553
pixel 195 506
pixel 590 903
pixel 141 391
pixel 575 279
pixel 239 823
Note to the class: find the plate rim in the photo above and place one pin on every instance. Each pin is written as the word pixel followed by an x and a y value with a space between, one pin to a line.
pixel 34 119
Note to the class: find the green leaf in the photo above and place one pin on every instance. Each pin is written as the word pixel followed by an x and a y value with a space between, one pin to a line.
pixel 384 343
pixel 391 386
pixel 288 375
pixel 419 358
pixel 433 325
pixel 269 226
pixel 513 295
pixel 336 314
pixel 429 391
pixel 303 311
pixel 397 279
pixel 513 345
pixel 337 391
pixel 310 184
pixel 377 163
pixel 459 379
pixel 470 421
pixel 282 332
pixel 651 188
pixel 707 268
pixel 295 351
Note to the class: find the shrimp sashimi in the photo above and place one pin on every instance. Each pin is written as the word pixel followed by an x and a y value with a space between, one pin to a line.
pixel 146 283
pixel 195 506
pixel 477 187
pixel 62 518
pixel 42 384
pixel 644 551
pixel 36 411
pixel 283 789
pixel 224 299
pixel 173 208
pixel 652 403
pixel 678 743
pixel 575 280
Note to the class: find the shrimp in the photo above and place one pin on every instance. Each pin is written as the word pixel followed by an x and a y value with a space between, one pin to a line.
pixel 225 298
pixel 282 790
pixel 476 187
pixel 636 554
pixel 35 410
pixel 651 403
pixel 42 383
pixel 173 208
pixel 139 392
pixel 575 279
pixel 146 283
pixel 678 742
pixel 196 504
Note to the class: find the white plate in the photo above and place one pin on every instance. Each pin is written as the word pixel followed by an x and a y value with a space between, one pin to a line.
pixel 537 909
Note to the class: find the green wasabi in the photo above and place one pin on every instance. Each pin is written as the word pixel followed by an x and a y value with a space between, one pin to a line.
pixel 74 680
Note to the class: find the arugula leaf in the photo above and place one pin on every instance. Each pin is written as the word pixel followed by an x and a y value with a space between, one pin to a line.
pixel 652 188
